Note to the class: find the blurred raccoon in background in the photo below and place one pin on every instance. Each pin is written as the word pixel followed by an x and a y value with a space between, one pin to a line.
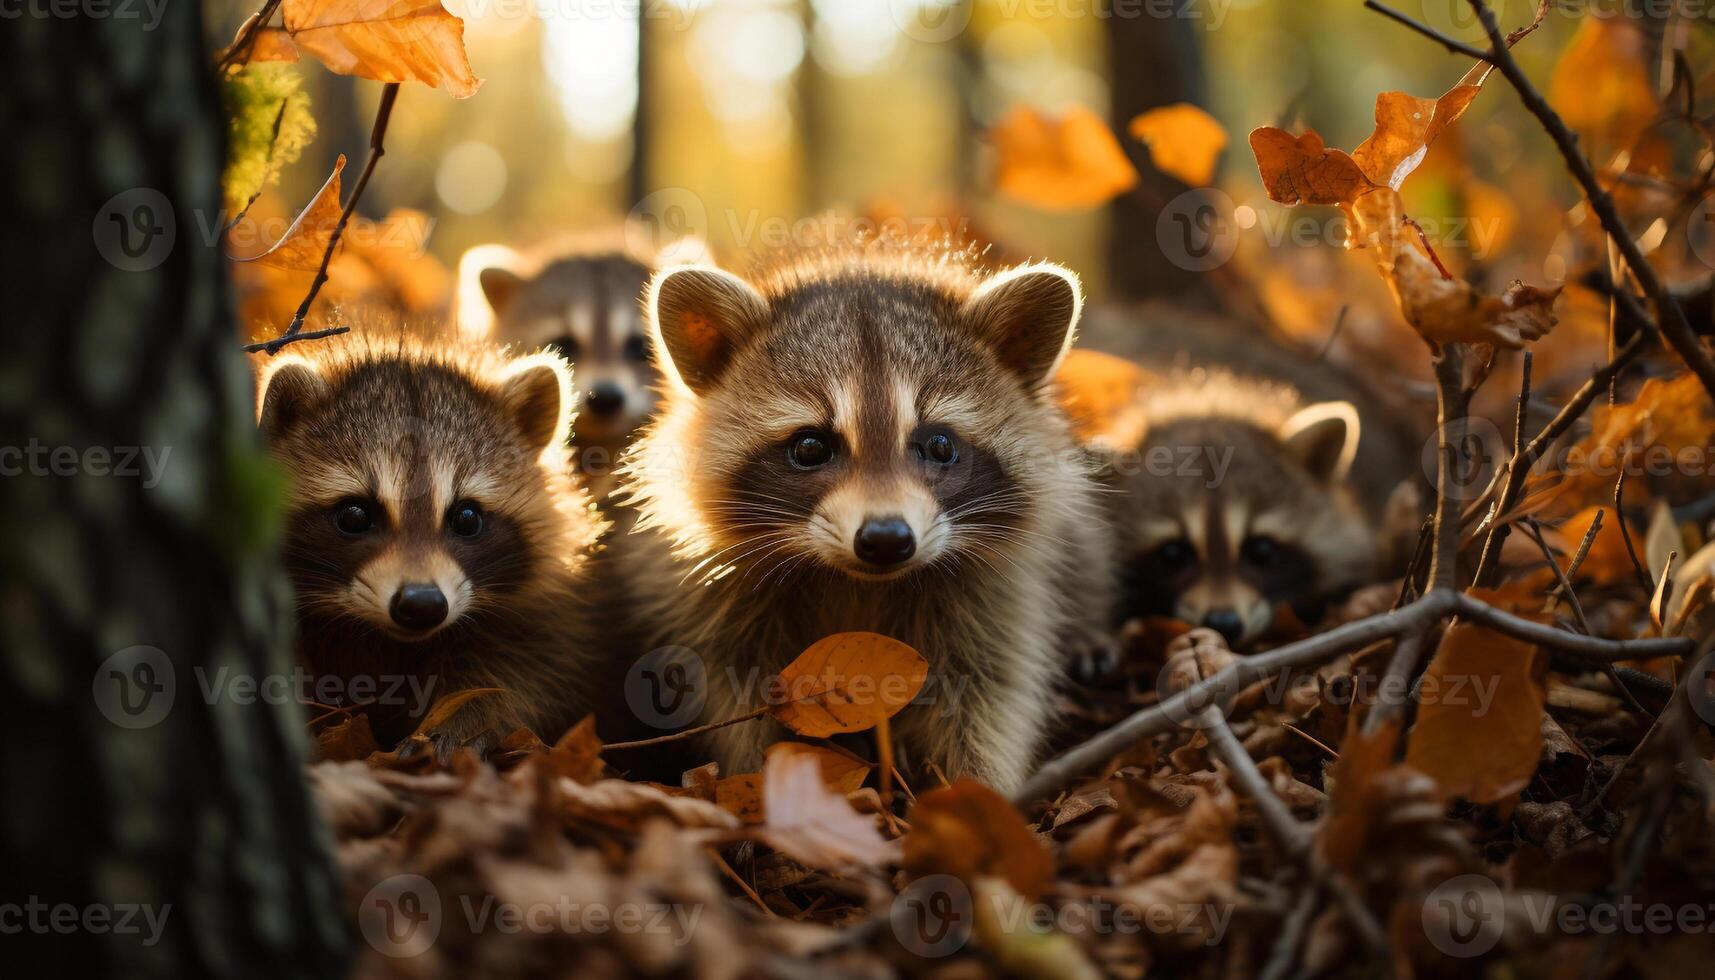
pixel 583 302
pixel 1240 479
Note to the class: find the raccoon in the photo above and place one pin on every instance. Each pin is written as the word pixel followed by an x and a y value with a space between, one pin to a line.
pixel 586 307
pixel 433 529
pixel 864 439
pixel 1235 499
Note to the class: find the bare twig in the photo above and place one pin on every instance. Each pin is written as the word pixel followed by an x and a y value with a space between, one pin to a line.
pixel 687 732
pixel 239 52
pixel 1453 402
pixel 1670 317
pixel 1452 45
pixel 1565 588
pixel 1406 654
pixel 1418 616
pixel 377 139
pixel 1499 529
pixel 1644 578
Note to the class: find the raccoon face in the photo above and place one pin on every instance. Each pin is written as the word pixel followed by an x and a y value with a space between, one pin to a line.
pixel 1222 520
pixel 870 425
pixel 586 309
pixel 417 493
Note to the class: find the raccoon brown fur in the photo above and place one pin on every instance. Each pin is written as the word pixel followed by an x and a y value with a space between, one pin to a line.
pixel 864 439
pixel 433 530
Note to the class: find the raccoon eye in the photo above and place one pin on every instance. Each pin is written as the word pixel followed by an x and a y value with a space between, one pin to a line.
pixel 809 449
pixel 465 519
pixel 636 348
pixel 1176 554
pixel 1259 550
pixel 353 517
pixel 940 449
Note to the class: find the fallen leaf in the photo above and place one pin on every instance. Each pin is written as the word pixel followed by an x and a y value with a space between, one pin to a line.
pixel 847 682
pixel 1479 724
pixel 385 40
pixel 1183 140
pixel 841 771
pixel 807 822
pixel 577 755
pixel 968 830
pixel 446 707
pixel 1065 163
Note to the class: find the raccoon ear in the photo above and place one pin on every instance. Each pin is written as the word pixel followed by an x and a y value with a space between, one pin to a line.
pixel 292 388
pixel 1029 315
pixel 499 286
pixel 698 315
pixel 536 392
pixel 1325 438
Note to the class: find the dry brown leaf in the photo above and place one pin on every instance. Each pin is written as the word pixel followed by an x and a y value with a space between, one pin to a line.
pixel 1602 86
pixel 386 40
pixel 446 707
pixel 968 830
pixel 847 682
pixel 1303 170
pixel 1479 726
pixel 1064 163
pixel 626 805
pixel 841 771
pixel 577 755
pixel 347 739
pixel 301 248
pixel 1184 141
pixel 1406 125
pixel 809 823
pixel 741 796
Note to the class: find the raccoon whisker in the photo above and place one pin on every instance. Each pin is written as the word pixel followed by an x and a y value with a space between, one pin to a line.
pixel 770 541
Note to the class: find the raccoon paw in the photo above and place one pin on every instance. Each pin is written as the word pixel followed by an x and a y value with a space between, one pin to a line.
pixel 1095 654
pixel 444 744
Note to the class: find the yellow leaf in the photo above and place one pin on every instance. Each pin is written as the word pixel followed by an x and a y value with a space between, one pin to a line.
pixel 1479 726
pixel 1064 163
pixel 386 40
pixel 301 248
pixel 1184 141
pixel 847 682
pixel 1601 88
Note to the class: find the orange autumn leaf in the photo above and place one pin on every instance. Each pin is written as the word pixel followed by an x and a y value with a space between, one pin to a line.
pixel 577 755
pixel 1064 163
pixel 1183 140
pixel 1406 125
pixel 385 40
pixel 301 248
pixel 847 682
pixel 267 44
pixel 396 250
pixel 741 796
pixel 444 709
pixel 1303 170
pixel 1096 389
pixel 968 830
pixel 1602 87
pixel 1479 726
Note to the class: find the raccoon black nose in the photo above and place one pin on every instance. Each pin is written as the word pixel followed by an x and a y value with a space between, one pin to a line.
pixel 1225 622
pixel 887 541
pixel 605 398
pixel 418 606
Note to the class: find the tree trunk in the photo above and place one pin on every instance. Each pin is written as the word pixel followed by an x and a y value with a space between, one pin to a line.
pixel 171 824
pixel 1153 61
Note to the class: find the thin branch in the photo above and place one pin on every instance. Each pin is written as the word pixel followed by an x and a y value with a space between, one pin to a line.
pixel 1644 578
pixel 377 139
pixel 687 732
pixel 1418 616
pixel 1452 45
pixel 1670 317
pixel 241 47
pixel 1498 530
pixel 1453 402
pixel 1407 652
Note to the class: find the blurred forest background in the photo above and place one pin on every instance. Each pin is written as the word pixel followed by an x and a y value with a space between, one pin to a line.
pixel 758 113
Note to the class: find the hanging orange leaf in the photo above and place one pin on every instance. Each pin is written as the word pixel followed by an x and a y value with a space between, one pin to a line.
pixel 847 682
pixel 386 40
pixel 1406 125
pixel 1302 170
pixel 1479 726
pixel 968 830
pixel 301 248
pixel 1065 163
pixel 1183 140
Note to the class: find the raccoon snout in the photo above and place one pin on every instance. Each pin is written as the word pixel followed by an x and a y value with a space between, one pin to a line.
pixel 418 607
pixel 1226 622
pixel 884 541
pixel 604 398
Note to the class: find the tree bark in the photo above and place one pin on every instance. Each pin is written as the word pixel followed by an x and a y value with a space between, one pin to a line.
pixel 137 536
pixel 1153 61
